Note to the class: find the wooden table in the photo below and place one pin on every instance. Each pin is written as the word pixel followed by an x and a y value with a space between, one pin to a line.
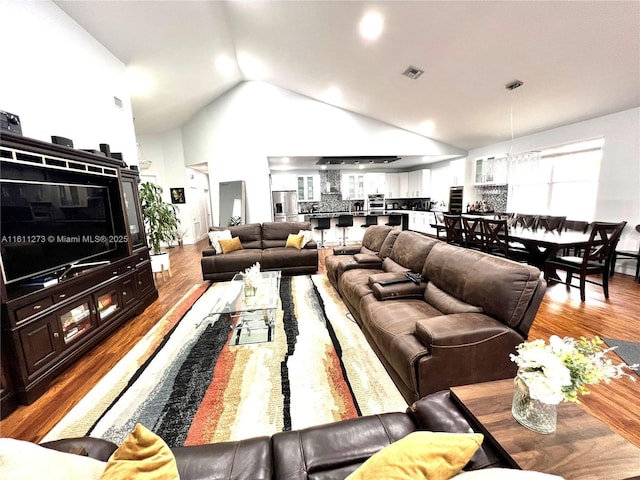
pixel 582 447
pixel 543 245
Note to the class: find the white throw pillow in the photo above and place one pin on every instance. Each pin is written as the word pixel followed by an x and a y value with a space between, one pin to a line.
pixel 218 235
pixel 28 461
pixel 308 236
pixel 504 474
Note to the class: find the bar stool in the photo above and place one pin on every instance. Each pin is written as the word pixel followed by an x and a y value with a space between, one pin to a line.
pixel 323 224
pixel 370 220
pixel 344 221
pixel 394 220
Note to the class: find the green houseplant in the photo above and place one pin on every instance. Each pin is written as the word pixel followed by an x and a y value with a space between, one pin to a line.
pixel 160 218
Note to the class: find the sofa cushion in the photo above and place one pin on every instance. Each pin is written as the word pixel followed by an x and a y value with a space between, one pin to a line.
pixel 275 234
pixel 250 234
pixel 216 236
pixel 398 290
pixel 387 245
pixel 144 456
pixel 294 241
pixel 411 249
pixel 232 245
pixel 447 303
pixel 504 294
pixel 375 236
pixel 279 258
pixel 27 461
pixel 389 265
pixel 458 329
pixel 421 455
pixel 363 258
pixel 307 236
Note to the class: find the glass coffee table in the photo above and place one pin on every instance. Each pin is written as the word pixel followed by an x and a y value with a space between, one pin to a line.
pixel 251 312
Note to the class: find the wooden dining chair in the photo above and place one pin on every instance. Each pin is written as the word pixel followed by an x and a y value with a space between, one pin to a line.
pixel 575 226
pixel 453 229
pixel 627 254
pixel 526 221
pixel 473 233
pixel 551 223
pixel 595 260
pixel 496 236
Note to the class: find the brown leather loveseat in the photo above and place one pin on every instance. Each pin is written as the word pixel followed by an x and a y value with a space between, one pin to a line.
pixel 325 452
pixel 456 327
pixel 264 243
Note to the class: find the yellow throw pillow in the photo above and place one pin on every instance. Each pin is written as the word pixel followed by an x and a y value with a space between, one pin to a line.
pixel 295 241
pixel 421 455
pixel 231 245
pixel 143 456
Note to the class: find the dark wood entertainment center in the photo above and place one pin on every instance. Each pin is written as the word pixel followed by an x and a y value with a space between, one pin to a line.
pixel 46 329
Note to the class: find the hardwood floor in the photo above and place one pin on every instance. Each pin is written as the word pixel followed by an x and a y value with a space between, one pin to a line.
pixel 561 313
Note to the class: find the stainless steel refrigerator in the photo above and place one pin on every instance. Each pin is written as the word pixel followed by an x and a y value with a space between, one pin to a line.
pixel 285 206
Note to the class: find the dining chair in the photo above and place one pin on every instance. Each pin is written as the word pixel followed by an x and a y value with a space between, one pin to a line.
pixel 344 222
pixel 627 254
pixel 526 221
pixel 496 236
pixel 551 223
pixel 575 226
pixel 453 229
pixel 595 260
pixel 369 221
pixel 473 233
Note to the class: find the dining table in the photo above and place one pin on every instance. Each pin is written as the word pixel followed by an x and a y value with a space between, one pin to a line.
pixel 542 245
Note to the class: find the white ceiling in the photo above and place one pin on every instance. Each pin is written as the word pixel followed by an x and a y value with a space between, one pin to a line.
pixel 578 59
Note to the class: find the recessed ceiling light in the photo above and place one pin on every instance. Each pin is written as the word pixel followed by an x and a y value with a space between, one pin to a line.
pixel 371 26
pixel 285 159
pixel 360 167
pixel 323 167
pixel 427 127
pixel 333 95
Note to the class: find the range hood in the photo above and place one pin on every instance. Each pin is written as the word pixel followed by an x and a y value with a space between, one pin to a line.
pixel 330 181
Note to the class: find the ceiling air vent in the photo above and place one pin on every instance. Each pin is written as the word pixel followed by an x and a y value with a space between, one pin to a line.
pixel 117 102
pixel 513 85
pixel 412 72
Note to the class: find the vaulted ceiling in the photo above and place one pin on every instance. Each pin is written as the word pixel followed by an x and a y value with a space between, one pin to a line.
pixel 578 60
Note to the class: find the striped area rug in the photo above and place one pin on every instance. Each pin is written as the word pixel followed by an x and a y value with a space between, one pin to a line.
pixel 194 388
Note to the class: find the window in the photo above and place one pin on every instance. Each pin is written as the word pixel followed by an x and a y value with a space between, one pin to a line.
pixel 556 181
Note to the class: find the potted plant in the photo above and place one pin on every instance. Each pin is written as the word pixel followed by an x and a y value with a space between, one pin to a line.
pixel 161 222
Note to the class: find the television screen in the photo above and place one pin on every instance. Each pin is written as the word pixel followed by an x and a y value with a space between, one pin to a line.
pixel 47 226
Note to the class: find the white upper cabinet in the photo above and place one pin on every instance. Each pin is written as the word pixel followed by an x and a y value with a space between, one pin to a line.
pixel 353 186
pixel 308 188
pixel 375 183
pixel 419 183
pixel 284 181
pixel 492 171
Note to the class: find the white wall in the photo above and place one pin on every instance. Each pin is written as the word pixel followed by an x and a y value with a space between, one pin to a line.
pixel 236 133
pixel 60 81
pixel 165 152
pixel 619 184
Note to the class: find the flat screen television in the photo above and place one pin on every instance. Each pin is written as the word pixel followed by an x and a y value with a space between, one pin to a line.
pixel 47 226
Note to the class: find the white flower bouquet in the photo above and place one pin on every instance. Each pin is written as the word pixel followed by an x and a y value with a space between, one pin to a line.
pixel 560 370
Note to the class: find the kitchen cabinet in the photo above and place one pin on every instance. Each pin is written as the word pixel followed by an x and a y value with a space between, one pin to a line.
pixel 391 185
pixel 375 183
pixel 284 181
pixel 308 188
pixel 353 186
pixel 419 183
pixel 491 171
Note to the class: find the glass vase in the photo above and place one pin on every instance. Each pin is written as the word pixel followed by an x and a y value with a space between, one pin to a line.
pixel 537 416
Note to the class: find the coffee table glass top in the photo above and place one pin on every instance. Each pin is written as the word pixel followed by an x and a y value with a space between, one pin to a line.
pixel 250 311
pixel 234 300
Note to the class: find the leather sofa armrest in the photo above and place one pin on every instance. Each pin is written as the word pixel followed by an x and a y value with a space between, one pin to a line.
pixel 347 250
pixel 368 259
pixel 210 252
pixel 439 413
pixel 92 447
pixel 458 329
pixel 398 290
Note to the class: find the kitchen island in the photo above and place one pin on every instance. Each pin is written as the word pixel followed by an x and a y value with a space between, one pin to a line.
pixel 354 234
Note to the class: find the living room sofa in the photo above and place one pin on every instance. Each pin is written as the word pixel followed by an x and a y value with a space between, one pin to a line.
pixel 325 452
pixel 375 247
pixel 456 327
pixel 264 243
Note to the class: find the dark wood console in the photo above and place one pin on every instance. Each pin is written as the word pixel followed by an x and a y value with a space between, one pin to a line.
pixel 46 329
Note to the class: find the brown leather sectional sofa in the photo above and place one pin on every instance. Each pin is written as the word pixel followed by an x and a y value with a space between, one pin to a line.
pixel 264 243
pixel 458 326
pixel 325 452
